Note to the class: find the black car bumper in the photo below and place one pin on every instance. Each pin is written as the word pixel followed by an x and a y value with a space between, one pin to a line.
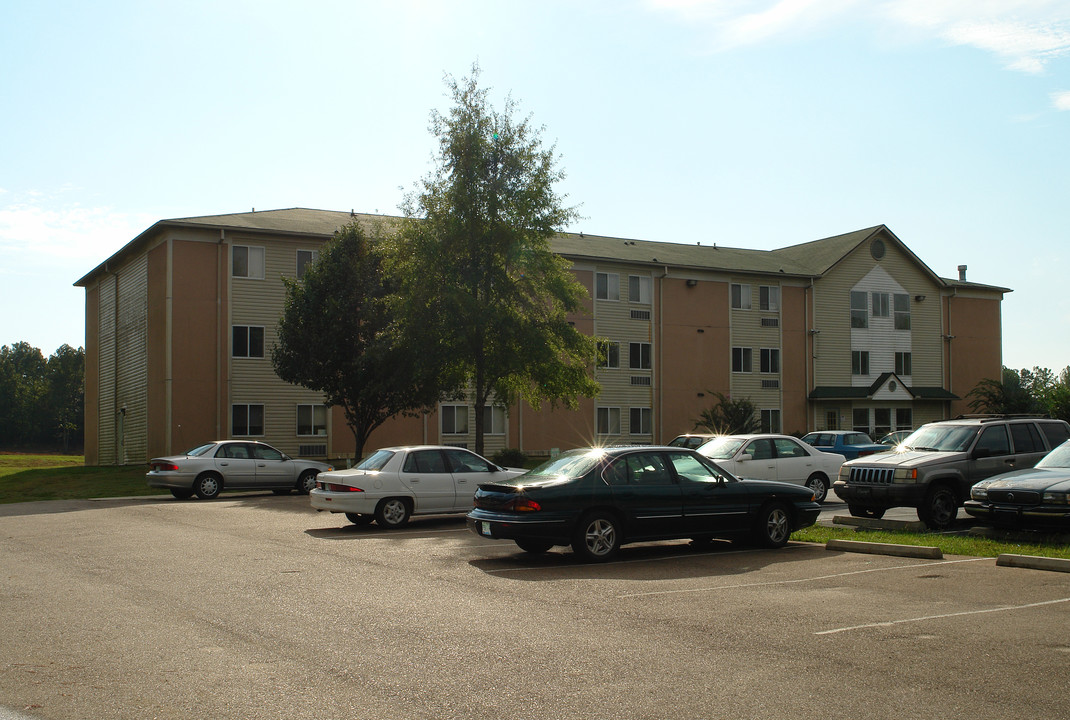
pixel 879 495
pixel 555 529
pixel 1017 516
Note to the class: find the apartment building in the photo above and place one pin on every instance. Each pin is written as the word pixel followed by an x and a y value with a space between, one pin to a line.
pixel 851 331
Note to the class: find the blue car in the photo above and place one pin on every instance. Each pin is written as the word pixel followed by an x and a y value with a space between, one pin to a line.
pixel 848 443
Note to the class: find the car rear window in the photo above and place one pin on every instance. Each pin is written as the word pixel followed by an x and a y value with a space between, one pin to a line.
pixel 1056 432
pixel 376 461
pixel 1026 438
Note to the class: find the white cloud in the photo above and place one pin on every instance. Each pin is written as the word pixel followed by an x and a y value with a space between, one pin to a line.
pixel 1061 100
pixel 1026 35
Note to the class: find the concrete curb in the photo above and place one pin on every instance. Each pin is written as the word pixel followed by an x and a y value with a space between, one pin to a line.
pixel 1034 562
pixel 915 551
pixel 879 523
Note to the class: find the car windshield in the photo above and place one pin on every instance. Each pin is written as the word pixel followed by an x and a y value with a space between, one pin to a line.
pixel 942 438
pixel 1057 458
pixel 572 463
pixel 200 450
pixel 376 460
pixel 721 448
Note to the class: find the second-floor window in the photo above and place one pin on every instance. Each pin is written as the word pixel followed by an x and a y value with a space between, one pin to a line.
pixel 902 363
pixel 860 362
pixel 902 311
pixel 770 360
pixel 247 341
pixel 859 310
pixel 881 304
pixel 741 360
pixel 609 354
pixel 639 356
pixel 247 262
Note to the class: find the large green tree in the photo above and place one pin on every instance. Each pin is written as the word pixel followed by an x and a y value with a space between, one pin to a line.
pixel 334 337
pixel 41 401
pixel 478 281
pixel 729 417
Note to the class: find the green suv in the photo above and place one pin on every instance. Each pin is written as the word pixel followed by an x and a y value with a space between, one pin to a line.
pixel 935 467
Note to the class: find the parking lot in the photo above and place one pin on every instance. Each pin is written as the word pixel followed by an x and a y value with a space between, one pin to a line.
pixel 255 606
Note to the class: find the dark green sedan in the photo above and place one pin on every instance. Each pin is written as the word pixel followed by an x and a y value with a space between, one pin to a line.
pixel 596 499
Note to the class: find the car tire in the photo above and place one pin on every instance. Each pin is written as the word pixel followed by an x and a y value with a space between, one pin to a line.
pixel 772 527
pixel 820 485
pixel 866 512
pixel 392 512
pixel 940 508
pixel 535 547
pixel 358 519
pixel 306 482
pixel 597 537
pixel 208 486
pixel 182 493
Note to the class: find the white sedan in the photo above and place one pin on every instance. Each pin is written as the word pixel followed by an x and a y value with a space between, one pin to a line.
pixel 775 457
pixel 393 484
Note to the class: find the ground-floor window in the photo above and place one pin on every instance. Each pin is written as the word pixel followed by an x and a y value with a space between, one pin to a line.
pixel 454 419
pixel 860 420
pixel 771 421
pixel 641 421
pixel 493 420
pixel 608 421
pixel 882 422
pixel 904 418
pixel 311 420
pixel 246 419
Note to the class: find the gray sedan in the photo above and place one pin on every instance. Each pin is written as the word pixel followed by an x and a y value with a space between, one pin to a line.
pixel 209 469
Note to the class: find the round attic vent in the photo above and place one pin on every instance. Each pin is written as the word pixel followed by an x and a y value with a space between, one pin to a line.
pixel 876 249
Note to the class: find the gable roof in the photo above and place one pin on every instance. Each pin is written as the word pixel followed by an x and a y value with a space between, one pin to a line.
pixel 806 260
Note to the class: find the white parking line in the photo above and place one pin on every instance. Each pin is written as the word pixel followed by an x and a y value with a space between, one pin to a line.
pixel 796 581
pixel 890 623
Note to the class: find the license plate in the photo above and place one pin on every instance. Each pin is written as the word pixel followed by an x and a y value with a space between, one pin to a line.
pixel 485 528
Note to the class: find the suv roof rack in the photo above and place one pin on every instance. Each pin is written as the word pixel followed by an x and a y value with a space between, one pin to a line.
pixel 988 417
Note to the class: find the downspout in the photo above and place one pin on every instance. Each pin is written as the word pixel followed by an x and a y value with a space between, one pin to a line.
pixel 811 347
pixel 661 354
pixel 220 259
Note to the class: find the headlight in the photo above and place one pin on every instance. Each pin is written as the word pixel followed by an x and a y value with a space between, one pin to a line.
pixel 1057 498
pixel 979 493
pixel 905 475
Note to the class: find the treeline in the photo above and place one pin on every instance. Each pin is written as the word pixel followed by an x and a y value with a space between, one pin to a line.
pixel 42 401
pixel 1036 391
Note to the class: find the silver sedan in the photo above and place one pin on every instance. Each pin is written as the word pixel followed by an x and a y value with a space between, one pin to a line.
pixel 209 469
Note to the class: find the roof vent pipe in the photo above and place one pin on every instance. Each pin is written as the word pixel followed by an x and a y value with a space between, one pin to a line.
pixel 962 273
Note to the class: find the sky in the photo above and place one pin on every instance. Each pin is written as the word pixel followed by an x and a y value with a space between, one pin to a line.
pixel 745 123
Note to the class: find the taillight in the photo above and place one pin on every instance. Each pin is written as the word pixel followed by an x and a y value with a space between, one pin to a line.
pixel 159 467
pixel 335 487
pixel 523 504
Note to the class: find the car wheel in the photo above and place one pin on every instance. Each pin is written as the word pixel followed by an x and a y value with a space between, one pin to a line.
pixel 306 482
pixel 597 537
pixel 772 528
pixel 358 519
pixel 182 493
pixel 534 546
pixel 940 508
pixel 207 486
pixel 392 512
pixel 866 512
pixel 820 485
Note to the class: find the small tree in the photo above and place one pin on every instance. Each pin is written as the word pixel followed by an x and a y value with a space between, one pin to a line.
pixel 334 337
pixel 1007 396
pixel 729 417
pixel 477 279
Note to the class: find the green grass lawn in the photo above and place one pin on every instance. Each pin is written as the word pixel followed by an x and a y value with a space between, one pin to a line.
pixel 1015 543
pixel 65 477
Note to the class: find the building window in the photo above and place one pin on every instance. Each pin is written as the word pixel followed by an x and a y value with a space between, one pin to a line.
pixel 454 419
pixel 608 354
pixel 311 419
pixel 607 286
pixel 639 356
pixel 860 362
pixel 639 289
pixel 246 420
pixel 881 303
pixel 493 420
pixel 902 363
pixel 902 311
pixel 859 310
pixel 882 422
pixel 769 360
pixel 247 341
pixel 770 421
pixel 247 262
pixel 904 419
pixel 740 296
pixel 304 259
pixel 861 420
pixel 741 360
pixel 769 298
pixel 608 420
pixel 641 421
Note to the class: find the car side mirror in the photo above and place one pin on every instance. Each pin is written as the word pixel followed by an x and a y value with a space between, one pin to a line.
pixel 980 453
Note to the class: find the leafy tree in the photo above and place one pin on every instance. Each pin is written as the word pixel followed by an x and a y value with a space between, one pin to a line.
pixel 66 395
pixel 41 402
pixel 334 337
pixel 729 417
pixel 1007 396
pixel 477 280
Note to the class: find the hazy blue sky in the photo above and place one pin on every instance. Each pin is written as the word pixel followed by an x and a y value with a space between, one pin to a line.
pixel 746 123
